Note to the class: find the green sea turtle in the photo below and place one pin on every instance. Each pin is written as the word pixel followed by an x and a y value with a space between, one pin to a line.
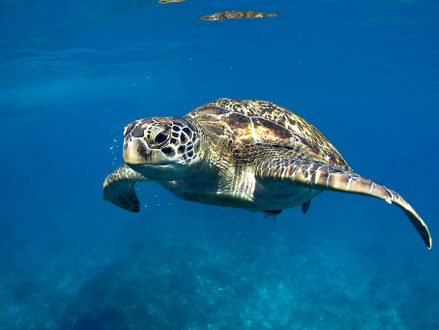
pixel 169 1
pixel 228 14
pixel 248 154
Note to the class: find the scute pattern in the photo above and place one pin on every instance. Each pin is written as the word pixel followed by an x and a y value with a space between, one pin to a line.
pixel 263 122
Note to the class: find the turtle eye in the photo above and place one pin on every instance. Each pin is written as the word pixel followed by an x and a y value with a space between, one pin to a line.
pixel 161 137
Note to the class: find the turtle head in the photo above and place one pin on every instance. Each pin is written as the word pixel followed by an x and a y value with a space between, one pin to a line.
pixel 161 147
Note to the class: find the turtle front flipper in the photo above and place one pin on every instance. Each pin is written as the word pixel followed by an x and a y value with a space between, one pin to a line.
pixel 318 175
pixel 119 188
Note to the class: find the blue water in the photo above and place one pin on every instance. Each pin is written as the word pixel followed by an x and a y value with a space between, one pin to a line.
pixel 72 74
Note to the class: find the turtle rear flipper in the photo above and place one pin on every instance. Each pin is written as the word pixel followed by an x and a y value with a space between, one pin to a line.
pixel 119 188
pixel 318 175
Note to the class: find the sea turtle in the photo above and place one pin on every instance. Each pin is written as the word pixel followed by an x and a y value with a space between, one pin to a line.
pixel 169 1
pixel 228 14
pixel 248 154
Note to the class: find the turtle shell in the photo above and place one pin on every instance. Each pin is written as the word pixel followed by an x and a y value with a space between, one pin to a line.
pixel 264 123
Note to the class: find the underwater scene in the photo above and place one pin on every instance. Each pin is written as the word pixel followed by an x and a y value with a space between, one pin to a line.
pixel 73 74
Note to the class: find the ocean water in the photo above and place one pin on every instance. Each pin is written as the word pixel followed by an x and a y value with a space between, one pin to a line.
pixel 73 73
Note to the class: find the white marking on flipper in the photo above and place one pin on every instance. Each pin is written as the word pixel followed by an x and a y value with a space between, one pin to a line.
pixel 327 179
pixel 284 172
pixel 317 171
pixel 389 200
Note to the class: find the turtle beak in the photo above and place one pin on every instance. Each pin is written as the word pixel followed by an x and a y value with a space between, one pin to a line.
pixel 135 152
pixel 135 149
